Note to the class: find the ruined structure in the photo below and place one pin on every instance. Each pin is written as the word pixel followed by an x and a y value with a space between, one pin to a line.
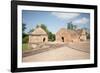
pixel 67 35
pixel 38 36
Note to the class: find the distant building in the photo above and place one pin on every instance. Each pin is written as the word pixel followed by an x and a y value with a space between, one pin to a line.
pixel 67 35
pixel 38 36
pixel 83 36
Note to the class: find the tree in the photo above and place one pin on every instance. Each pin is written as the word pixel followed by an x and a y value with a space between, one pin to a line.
pixel 37 26
pixel 23 30
pixel 44 27
pixel 51 36
pixel 25 39
pixel 31 30
pixel 71 26
pixel 23 27
pixel 24 35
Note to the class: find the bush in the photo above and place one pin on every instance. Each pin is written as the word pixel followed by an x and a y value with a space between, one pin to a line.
pixel 25 39
pixel 51 36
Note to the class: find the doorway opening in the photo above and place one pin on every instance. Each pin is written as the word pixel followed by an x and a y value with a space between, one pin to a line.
pixel 62 39
pixel 43 39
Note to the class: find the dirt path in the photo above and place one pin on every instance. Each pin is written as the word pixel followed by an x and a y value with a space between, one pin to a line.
pixel 62 53
pixel 84 47
pixel 41 49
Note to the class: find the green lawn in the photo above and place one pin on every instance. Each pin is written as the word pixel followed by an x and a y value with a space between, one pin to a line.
pixel 25 46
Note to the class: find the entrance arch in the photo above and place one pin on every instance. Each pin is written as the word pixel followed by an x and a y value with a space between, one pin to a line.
pixel 62 39
pixel 44 39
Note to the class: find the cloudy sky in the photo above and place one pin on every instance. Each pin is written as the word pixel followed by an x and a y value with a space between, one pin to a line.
pixel 54 20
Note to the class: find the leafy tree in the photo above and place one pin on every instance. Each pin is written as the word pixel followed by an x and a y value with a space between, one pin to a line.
pixel 37 26
pixel 71 26
pixel 23 30
pixel 23 27
pixel 25 39
pixel 24 35
pixel 44 27
pixel 51 36
pixel 31 30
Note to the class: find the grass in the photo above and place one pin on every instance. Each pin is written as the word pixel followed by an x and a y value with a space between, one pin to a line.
pixel 25 46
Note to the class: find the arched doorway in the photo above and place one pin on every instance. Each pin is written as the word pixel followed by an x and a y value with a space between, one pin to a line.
pixel 43 39
pixel 62 39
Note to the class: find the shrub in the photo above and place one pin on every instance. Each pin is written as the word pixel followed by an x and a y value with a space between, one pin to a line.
pixel 25 39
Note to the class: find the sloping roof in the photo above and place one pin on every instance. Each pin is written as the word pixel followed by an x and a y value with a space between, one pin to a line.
pixel 39 31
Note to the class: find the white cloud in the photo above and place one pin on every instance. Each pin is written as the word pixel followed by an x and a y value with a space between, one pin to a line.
pixel 81 21
pixel 66 16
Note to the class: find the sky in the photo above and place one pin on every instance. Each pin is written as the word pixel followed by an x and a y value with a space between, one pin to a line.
pixel 54 20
